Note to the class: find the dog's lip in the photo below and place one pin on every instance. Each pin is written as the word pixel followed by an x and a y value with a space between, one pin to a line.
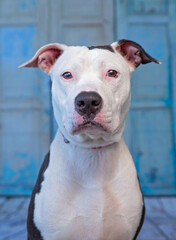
pixel 89 125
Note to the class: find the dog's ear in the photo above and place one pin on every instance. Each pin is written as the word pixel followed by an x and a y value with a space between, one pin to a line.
pixel 45 57
pixel 133 53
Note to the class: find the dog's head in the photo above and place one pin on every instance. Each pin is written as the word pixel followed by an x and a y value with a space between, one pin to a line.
pixel 91 88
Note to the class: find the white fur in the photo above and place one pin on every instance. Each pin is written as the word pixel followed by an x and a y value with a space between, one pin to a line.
pixel 89 74
pixel 89 194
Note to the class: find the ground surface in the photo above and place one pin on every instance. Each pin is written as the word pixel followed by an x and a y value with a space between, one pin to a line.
pixel 160 219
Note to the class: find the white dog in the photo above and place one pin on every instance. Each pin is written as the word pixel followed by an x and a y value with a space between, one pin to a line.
pixel 88 188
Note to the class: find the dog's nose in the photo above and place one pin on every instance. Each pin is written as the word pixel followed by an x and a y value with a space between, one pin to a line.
pixel 88 104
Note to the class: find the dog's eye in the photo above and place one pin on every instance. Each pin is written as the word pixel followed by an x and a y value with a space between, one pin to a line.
pixel 67 75
pixel 112 73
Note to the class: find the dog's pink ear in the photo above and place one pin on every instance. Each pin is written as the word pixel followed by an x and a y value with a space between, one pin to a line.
pixel 133 53
pixel 45 57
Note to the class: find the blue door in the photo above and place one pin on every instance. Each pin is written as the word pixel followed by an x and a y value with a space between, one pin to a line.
pixel 26 120
pixel 24 98
pixel 151 124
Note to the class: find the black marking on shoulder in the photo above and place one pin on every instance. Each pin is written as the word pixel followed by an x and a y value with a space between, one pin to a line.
pixel 105 47
pixel 141 223
pixel 33 232
pixel 142 216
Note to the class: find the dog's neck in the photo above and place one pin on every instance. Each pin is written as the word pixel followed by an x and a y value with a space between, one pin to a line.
pixel 98 147
pixel 86 166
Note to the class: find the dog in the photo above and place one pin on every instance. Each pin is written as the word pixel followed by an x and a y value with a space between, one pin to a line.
pixel 87 187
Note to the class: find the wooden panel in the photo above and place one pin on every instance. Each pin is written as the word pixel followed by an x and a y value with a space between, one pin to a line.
pixel 151 81
pixel 82 8
pixel 24 97
pixel 17 9
pixel 151 131
pixel 15 49
pixel 149 7
pixel 84 33
pixel 153 148
pixel 82 22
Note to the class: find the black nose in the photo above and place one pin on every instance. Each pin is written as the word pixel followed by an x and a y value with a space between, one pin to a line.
pixel 88 104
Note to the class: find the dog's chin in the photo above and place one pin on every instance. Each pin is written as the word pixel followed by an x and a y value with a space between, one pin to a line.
pixel 89 127
pixel 91 133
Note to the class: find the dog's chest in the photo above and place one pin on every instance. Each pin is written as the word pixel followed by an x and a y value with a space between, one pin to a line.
pixel 69 211
pixel 80 213
pixel 95 210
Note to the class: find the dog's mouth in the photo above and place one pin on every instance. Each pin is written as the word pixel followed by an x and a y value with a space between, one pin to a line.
pixel 89 126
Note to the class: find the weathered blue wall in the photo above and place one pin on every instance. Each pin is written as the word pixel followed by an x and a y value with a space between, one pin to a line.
pixel 26 121
pixel 151 123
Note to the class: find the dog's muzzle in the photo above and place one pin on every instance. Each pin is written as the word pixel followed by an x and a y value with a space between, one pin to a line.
pixel 88 104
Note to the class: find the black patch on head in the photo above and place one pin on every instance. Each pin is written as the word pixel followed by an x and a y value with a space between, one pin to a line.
pixel 105 47
pixel 33 231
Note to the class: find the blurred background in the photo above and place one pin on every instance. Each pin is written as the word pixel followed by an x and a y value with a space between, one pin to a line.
pixel 27 124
